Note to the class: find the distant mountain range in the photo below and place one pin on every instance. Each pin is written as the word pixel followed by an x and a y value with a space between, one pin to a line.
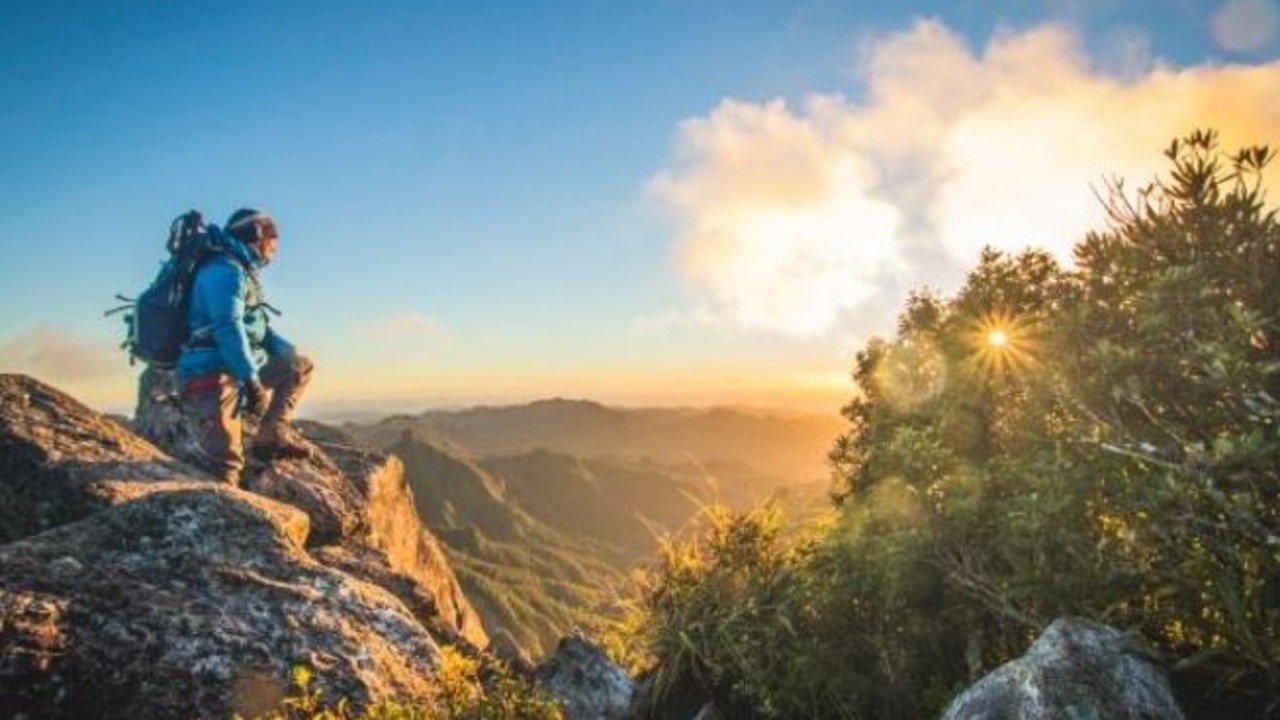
pixel 788 448
pixel 543 508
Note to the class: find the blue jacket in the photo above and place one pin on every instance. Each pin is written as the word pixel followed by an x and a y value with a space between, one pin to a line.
pixel 228 320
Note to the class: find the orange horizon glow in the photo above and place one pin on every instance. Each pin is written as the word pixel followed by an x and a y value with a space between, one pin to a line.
pixel 805 391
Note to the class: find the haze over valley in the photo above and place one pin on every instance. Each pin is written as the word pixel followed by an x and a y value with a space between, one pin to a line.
pixel 545 507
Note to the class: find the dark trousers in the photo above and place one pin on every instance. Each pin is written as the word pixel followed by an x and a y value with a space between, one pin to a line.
pixel 211 406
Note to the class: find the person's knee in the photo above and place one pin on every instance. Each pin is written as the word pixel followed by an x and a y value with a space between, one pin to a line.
pixel 286 372
pixel 303 364
pixel 303 368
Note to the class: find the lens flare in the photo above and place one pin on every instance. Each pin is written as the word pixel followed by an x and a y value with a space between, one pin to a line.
pixel 1002 343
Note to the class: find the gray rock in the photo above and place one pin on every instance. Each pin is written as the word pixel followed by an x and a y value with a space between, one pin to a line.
pixel 586 684
pixel 1076 670
pixel 133 585
pixel 61 461
pixel 158 415
pixel 361 510
pixel 316 486
pixel 172 605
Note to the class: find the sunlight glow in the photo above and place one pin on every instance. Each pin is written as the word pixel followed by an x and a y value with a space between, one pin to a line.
pixel 1002 344
pixel 781 230
pixel 813 217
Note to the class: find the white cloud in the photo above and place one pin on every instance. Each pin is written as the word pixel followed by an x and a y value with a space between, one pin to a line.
pixel 54 355
pixel 408 327
pixel 1245 25
pixel 819 218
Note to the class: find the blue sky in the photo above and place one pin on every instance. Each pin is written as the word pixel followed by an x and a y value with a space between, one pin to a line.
pixel 498 201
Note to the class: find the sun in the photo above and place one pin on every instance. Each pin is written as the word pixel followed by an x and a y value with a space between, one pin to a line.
pixel 1002 343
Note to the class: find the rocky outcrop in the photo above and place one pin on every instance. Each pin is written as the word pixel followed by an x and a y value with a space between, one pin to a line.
pixel 1075 669
pixel 586 684
pixel 192 603
pixel 394 528
pixel 364 521
pixel 132 585
pixel 61 461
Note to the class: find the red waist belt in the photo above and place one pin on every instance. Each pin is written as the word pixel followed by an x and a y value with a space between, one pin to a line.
pixel 204 383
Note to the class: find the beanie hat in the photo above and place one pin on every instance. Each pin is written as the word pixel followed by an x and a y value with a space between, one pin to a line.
pixel 247 225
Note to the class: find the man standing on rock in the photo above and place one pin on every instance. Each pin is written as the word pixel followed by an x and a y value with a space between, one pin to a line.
pixel 234 359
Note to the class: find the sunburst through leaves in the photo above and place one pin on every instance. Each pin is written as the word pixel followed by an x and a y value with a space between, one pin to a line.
pixel 1002 343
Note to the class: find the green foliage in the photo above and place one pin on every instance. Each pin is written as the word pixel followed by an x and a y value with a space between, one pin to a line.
pixel 459 694
pixel 722 612
pixel 1101 441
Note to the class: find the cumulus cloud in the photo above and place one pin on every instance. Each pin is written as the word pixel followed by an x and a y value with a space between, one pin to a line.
pixel 408 327
pixel 55 355
pixel 819 218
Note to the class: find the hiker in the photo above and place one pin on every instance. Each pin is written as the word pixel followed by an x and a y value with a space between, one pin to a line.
pixel 234 359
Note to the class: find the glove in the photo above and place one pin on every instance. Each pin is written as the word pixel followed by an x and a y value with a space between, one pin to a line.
pixel 253 399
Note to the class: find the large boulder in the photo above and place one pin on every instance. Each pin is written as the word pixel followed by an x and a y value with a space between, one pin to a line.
pixel 363 517
pixel 192 603
pixel 585 682
pixel 61 461
pixel 1076 670
pixel 126 570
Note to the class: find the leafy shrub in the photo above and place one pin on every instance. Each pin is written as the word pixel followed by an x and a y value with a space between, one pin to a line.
pixel 720 612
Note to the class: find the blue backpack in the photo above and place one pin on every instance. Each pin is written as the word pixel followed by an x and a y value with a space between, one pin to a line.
pixel 157 318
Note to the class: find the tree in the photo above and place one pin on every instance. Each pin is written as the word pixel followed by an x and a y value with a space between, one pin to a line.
pixel 1102 441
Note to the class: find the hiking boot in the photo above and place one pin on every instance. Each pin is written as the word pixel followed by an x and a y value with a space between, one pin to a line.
pixel 281 440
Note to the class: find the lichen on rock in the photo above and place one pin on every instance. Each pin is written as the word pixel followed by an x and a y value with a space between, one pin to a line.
pixel 138 586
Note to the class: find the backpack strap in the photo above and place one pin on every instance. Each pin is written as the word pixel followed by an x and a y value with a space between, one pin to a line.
pixel 268 307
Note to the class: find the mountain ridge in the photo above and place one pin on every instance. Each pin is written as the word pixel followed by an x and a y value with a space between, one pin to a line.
pixel 787 446
pixel 525 577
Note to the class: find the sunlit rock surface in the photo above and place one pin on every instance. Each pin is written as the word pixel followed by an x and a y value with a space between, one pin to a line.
pixel 1076 670
pixel 132 585
pixel 391 527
